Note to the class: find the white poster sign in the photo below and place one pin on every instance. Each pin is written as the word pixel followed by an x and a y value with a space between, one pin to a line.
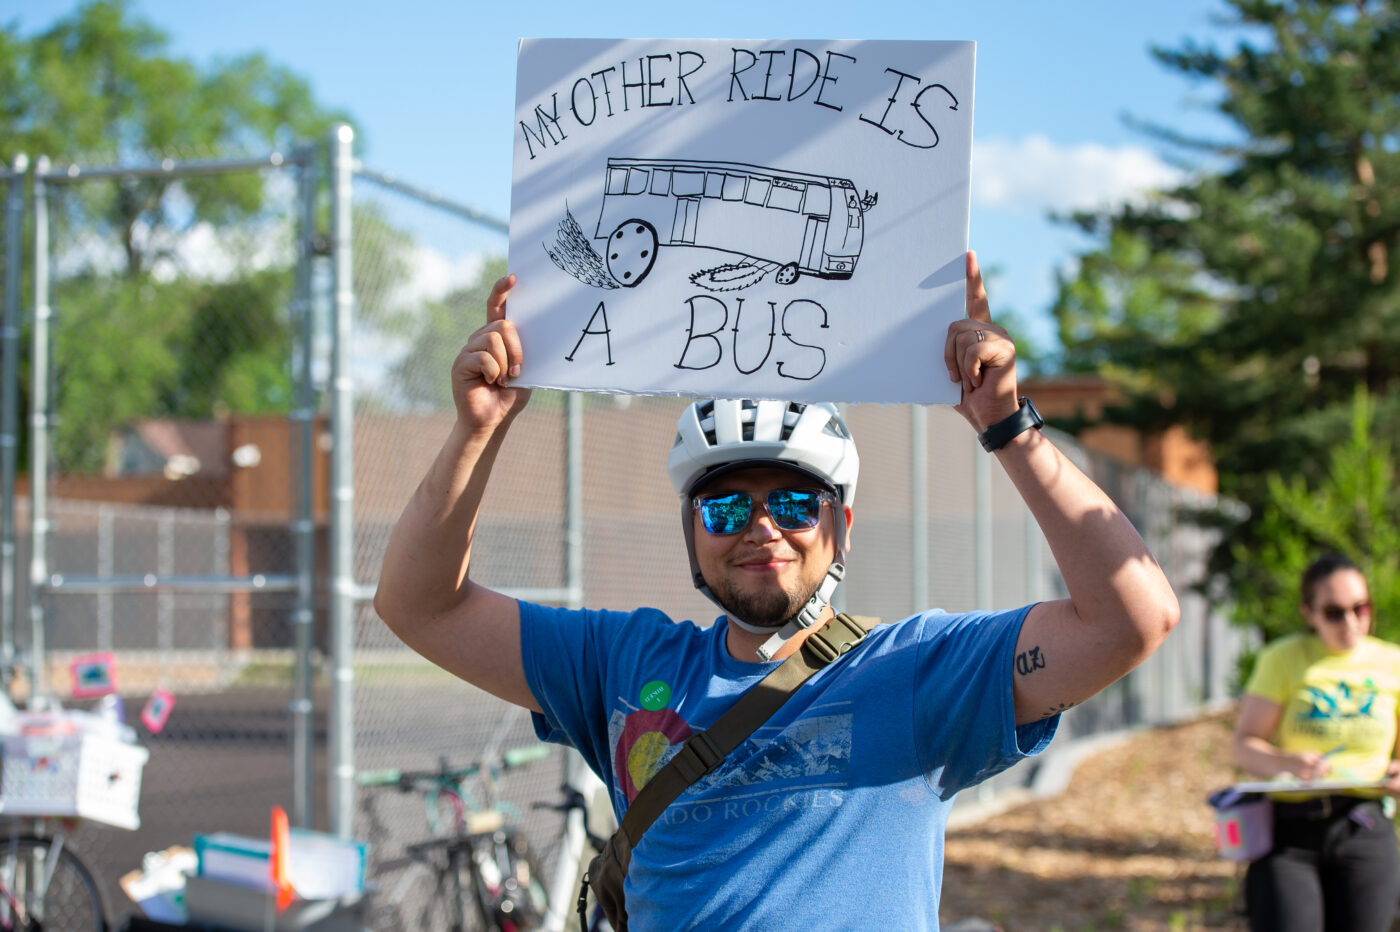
pixel 741 218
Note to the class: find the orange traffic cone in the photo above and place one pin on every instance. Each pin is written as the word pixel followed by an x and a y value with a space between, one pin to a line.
pixel 281 843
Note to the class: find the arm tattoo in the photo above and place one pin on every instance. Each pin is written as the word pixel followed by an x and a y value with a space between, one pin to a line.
pixel 1062 707
pixel 1027 662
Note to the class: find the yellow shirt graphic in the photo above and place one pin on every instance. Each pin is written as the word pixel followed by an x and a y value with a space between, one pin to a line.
pixel 1342 705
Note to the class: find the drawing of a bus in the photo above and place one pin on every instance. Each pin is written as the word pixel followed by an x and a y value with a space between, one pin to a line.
pixel 795 222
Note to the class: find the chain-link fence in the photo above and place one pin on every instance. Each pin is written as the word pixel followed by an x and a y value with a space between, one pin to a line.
pixel 11 236
pixel 168 487
pixel 181 504
pixel 417 271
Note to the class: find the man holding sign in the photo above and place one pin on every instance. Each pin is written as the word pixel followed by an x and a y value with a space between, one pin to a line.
pixel 831 815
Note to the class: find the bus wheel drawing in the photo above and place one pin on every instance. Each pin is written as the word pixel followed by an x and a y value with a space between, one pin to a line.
pixel 787 274
pixel 631 251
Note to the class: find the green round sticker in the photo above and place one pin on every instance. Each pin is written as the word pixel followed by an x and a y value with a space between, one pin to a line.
pixel 655 695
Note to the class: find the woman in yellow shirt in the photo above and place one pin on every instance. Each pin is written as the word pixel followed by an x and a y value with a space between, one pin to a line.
pixel 1322 705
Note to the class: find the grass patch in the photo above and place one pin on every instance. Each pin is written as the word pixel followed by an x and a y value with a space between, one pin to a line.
pixel 267 674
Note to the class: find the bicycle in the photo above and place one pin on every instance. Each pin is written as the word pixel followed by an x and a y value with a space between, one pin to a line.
pixel 44 884
pixel 482 864
pixel 590 919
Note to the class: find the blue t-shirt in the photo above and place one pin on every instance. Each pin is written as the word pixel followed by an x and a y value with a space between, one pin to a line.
pixel 832 814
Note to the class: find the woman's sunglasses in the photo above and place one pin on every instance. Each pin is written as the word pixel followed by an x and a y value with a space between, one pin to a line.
pixel 790 509
pixel 1337 614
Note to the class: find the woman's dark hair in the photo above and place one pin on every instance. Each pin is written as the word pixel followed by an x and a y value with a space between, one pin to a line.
pixel 1320 569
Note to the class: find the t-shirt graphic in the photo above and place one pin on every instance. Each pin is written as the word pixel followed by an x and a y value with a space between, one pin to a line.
pixel 645 740
pixel 1342 701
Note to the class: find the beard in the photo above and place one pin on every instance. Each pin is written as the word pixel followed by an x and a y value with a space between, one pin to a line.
pixel 766 609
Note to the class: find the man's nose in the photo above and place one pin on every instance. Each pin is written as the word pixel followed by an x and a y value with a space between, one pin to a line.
pixel 761 526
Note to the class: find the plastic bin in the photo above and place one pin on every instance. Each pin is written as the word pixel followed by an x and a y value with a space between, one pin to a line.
pixel 90 776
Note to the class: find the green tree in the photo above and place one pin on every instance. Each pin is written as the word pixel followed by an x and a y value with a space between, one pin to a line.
pixel 112 354
pixel 100 87
pixel 137 334
pixel 1249 302
pixel 420 378
pixel 1354 510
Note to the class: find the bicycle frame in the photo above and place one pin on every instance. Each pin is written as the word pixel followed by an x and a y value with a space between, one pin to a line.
pixel 481 858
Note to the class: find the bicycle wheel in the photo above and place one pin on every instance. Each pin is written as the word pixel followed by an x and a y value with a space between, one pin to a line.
pixel 506 883
pixel 416 893
pixel 43 885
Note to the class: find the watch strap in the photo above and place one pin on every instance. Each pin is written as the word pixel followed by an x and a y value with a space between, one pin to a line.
pixel 1002 432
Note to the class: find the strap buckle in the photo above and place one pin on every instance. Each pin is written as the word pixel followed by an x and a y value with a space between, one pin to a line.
pixel 828 644
pixel 697 757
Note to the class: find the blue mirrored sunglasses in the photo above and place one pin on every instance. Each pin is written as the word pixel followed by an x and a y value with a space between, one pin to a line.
pixel 790 509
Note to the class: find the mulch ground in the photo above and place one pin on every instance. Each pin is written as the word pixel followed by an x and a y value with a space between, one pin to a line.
pixel 1127 846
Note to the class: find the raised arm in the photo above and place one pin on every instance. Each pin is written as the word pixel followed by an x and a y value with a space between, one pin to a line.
pixel 425 594
pixel 1120 605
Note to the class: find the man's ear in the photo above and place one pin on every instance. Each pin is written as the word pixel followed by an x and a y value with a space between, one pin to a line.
pixel 850 519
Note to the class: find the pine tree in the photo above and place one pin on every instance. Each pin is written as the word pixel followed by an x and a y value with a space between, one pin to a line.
pixel 1250 302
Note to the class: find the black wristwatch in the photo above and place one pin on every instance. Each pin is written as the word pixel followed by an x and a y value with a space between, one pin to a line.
pixel 1002 432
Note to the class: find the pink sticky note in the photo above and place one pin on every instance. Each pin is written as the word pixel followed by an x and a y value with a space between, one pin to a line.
pixel 93 675
pixel 157 710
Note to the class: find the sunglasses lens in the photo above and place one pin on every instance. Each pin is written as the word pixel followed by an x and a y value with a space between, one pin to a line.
pixel 1337 613
pixel 794 509
pixel 726 514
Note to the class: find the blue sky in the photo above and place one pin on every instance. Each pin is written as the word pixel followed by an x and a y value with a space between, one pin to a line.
pixel 431 85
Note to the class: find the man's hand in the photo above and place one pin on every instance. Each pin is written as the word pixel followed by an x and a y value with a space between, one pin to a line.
pixel 483 370
pixel 981 357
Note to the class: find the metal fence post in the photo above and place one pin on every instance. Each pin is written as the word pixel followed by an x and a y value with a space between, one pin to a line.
pixel 342 517
pixel 982 526
pixel 304 525
pixel 39 433
pixel 1035 571
pixel 106 566
pixel 573 495
pixel 918 500
pixel 9 406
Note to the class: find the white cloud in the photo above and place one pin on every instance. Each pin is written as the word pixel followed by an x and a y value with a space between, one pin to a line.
pixel 217 254
pixel 433 274
pixel 1036 175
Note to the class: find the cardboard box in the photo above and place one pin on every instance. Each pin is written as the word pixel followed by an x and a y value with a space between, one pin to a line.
pixel 244 909
pixel 235 859
pixel 319 865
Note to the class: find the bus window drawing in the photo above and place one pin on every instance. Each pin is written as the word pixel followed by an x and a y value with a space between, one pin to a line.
pixel 784 222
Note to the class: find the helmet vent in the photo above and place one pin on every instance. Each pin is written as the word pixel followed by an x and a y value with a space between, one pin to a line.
pixel 705 414
pixel 836 428
pixel 791 417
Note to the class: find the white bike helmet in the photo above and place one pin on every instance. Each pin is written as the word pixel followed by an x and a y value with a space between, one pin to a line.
pixel 721 436
pixel 715 437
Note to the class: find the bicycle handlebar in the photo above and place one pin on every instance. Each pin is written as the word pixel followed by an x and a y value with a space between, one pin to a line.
pixel 574 799
pixel 516 757
pixel 408 779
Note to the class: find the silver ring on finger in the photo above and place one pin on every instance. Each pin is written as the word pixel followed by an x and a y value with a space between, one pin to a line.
pixel 981 335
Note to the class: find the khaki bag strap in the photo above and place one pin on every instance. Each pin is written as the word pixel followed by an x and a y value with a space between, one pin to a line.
pixel 706 749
